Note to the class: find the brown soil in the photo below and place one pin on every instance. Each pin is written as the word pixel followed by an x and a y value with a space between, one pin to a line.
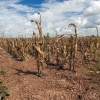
pixel 24 84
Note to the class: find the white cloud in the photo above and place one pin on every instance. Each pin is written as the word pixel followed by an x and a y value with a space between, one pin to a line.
pixel 12 21
pixel 19 7
pixel 70 11
pixel 93 9
pixel 81 21
pixel 15 17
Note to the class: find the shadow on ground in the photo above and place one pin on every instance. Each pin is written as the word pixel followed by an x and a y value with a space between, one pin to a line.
pixel 25 72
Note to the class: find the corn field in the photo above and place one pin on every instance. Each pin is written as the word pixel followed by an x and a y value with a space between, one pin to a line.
pixel 63 49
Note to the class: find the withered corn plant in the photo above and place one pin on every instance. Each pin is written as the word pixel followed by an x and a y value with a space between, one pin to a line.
pixel 73 48
pixel 96 44
pixel 60 51
pixel 39 47
pixel 47 47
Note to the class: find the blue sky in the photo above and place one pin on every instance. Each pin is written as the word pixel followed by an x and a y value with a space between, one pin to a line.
pixel 31 2
pixel 15 16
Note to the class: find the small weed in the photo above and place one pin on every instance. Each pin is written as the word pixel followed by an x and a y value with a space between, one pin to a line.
pixel 3 71
pixel 46 49
pixel 4 91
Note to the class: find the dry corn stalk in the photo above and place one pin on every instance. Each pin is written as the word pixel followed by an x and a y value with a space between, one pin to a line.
pixel 60 53
pixel 73 48
pixel 75 34
pixel 97 43
pixel 39 46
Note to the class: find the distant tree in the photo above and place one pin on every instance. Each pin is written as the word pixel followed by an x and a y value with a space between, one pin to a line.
pixel 47 36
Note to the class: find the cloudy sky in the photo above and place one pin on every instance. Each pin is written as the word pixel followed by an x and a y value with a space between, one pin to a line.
pixel 15 16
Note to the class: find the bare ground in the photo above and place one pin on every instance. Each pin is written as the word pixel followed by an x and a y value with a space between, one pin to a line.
pixel 24 84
